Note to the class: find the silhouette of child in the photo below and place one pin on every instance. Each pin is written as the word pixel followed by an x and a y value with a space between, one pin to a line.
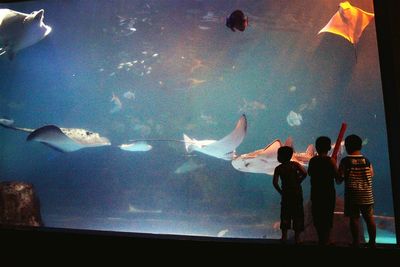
pixel 356 171
pixel 291 174
pixel 323 172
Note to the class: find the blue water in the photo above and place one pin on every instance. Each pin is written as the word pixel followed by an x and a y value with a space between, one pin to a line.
pixel 189 74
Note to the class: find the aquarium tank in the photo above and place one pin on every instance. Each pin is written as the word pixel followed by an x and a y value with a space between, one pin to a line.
pixel 165 116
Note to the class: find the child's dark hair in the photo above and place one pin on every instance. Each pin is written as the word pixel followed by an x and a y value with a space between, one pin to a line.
pixel 352 143
pixel 323 144
pixel 285 153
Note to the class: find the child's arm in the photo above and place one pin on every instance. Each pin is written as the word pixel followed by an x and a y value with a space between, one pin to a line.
pixel 341 173
pixel 301 171
pixel 372 170
pixel 275 181
pixel 336 173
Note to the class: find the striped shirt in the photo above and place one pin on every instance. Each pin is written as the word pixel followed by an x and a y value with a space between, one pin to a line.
pixel 357 172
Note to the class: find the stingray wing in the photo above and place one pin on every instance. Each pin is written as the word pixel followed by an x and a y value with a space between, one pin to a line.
pixel 225 147
pixel 348 22
pixel 259 161
pixel 52 136
pixel 8 16
pixel 271 151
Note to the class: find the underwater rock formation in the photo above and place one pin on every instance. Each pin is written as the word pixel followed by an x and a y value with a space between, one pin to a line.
pixel 19 205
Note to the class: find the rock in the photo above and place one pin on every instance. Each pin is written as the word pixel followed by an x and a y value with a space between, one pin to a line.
pixel 19 205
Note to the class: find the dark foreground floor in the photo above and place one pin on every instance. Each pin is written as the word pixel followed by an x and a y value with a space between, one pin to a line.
pixel 188 250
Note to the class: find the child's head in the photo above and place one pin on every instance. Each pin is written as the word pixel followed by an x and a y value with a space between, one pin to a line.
pixel 285 153
pixel 352 143
pixel 323 144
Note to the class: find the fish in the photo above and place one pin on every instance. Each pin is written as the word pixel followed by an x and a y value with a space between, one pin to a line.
pixel 222 232
pixel 136 146
pixel 195 82
pixel 117 104
pixel 19 30
pixel 209 17
pixel 129 95
pixel 207 119
pixel 133 209
pixel 6 122
pixel 204 28
pixel 67 139
pixel 188 166
pixel 9 124
pixel 237 20
pixel 223 148
pixel 265 160
pixel 251 106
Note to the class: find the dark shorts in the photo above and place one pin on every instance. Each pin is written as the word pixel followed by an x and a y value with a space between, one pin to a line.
pixel 353 210
pixel 292 213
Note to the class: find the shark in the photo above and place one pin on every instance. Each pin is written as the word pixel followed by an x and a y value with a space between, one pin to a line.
pixel 20 30
pixel 61 139
pixel 265 160
pixel 224 148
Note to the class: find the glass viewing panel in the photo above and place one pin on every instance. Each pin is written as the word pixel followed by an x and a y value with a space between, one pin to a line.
pixel 117 111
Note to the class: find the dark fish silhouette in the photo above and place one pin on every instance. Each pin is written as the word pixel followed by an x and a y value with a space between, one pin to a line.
pixel 237 20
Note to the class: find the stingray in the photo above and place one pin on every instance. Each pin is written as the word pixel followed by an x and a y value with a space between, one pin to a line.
pixel 223 148
pixel 19 30
pixel 265 160
pixel 62 139
pixel 348 22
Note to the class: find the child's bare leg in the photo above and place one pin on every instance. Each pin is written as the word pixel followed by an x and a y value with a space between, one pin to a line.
pixel 371 227
pixel 355 230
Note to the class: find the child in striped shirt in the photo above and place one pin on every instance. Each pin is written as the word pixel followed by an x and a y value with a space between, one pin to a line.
pixel 356 171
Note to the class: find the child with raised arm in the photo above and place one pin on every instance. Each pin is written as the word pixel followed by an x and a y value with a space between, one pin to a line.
pixel 323 173
pixel 290 174
pixel 356 171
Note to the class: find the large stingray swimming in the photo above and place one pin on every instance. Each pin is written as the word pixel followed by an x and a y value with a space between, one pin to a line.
pixel 348 22
pixel 265 160
pixel 19 30
pixel 60 139
pixel 223 148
